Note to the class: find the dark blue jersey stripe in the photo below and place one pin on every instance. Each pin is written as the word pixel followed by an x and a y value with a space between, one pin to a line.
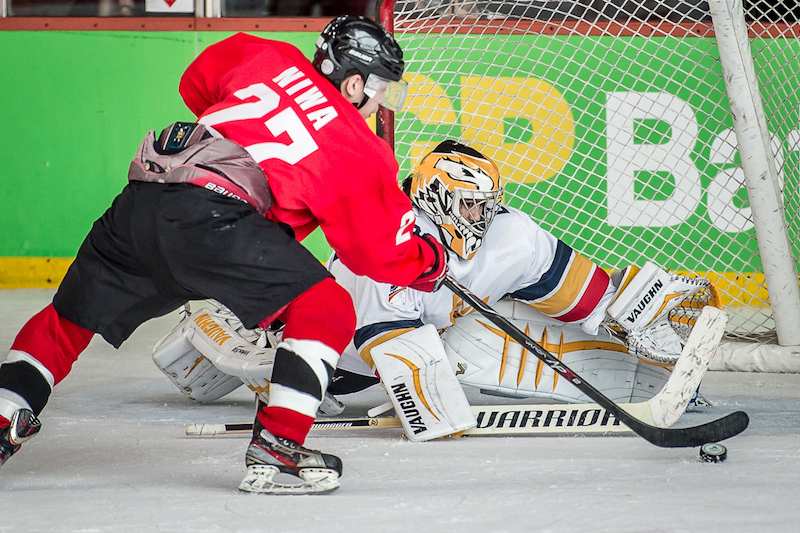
pixel 550 279
pixel 369 331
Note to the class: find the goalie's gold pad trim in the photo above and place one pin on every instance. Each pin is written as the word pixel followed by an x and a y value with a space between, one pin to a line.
pixel 258 390
pixel 627 275
pixel 366 350
pixel 417 385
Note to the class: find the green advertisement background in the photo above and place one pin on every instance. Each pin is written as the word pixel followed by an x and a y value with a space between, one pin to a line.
pixel 77 104
pixel 573 202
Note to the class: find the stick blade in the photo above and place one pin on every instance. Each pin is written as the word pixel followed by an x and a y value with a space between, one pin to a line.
pixel 690 437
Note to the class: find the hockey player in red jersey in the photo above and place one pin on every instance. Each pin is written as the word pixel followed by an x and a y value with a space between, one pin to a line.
pixel 199 220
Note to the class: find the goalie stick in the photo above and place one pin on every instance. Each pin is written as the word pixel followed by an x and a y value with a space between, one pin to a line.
pixel 714 431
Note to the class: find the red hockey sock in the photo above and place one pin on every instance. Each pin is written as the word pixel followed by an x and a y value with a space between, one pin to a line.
pixel 285 423
pixel 53 341
pixel 323 313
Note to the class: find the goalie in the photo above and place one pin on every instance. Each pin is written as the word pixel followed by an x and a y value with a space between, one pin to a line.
pixel 626 330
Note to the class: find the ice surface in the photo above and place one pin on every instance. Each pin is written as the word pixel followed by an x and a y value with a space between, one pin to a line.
pixel 112 457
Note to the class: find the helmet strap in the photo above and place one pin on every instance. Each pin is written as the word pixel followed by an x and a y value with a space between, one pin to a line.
pixel 363 102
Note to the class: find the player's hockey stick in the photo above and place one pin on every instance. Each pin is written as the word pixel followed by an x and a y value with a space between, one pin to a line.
pixel 208 430
pixel 713 431
pixel 662 410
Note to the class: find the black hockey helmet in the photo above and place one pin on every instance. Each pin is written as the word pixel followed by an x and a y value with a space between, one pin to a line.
pixel 355 42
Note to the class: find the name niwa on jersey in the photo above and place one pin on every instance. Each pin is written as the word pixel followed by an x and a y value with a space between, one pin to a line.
pixel 307 96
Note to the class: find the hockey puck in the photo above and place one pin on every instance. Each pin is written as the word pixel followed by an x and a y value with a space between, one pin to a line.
pixel 713 452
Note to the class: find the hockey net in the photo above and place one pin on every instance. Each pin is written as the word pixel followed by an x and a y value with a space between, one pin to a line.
pixel 611 125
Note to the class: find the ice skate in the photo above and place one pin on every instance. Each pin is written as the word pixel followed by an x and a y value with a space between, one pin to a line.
pixel 275 465
pixel 24 425
pixel 330 407
pixel 698 403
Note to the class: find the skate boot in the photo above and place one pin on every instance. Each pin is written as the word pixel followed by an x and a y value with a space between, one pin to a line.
pixel 269 456
pixel 698 403
pixel 330 406
pixel 23 426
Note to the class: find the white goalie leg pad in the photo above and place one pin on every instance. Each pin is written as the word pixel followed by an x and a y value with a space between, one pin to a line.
pixel 188 369
pixel 426 395
pixel 485 357
pixel 211 332
pixel 649 295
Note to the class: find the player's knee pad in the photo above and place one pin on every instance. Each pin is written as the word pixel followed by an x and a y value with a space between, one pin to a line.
pixel 485 357
pixel 323 313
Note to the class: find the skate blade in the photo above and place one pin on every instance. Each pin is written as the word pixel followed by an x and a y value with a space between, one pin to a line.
pixel 260 479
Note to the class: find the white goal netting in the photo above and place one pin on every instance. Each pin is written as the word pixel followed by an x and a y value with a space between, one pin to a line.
pixel 611 125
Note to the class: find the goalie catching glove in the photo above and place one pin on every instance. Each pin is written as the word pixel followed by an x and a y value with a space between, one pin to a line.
pixel 657 310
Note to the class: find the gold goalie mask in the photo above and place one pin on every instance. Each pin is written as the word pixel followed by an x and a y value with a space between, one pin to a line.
pixel 460 190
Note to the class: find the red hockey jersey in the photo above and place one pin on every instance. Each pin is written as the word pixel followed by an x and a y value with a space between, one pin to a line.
pixel 324 165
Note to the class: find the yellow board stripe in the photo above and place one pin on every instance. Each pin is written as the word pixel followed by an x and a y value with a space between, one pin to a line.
pixel 737 288
pixel 33 272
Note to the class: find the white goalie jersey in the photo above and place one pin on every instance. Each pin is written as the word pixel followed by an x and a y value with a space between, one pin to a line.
pixel 517 259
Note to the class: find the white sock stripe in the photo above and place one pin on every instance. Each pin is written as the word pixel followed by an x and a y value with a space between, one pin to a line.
pixel 10 403
pixel 316 348
pixel 17 355
pixel 315 354
pixel 292 399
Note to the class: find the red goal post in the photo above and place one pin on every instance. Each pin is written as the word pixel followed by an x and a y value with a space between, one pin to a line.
pixel 612 126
